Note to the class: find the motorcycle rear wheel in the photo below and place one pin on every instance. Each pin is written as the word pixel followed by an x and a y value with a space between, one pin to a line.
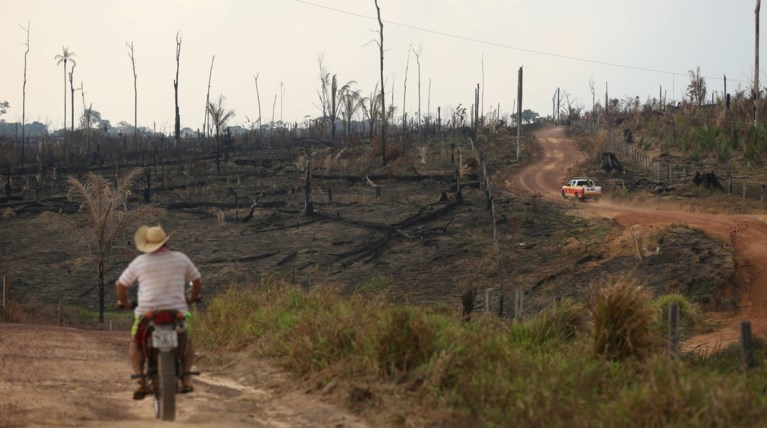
pixel 165 405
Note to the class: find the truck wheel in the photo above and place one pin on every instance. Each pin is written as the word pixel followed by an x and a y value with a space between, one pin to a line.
pixel 563 195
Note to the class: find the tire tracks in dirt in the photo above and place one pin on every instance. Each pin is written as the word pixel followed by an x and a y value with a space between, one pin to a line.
pixel 54 376
pixel 746 234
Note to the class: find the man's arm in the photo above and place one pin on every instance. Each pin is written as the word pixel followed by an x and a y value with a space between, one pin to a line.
pixel 194 295
pixel 122 295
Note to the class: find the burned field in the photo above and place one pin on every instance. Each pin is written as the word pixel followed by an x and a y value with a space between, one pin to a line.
pixel 401 230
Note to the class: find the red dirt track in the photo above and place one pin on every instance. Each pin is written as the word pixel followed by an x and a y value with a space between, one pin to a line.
pixel 750 246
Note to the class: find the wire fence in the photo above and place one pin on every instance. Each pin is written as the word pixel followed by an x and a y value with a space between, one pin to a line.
pixel 672 170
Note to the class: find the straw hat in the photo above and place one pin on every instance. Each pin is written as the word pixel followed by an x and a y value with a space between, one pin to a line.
pixel 150 239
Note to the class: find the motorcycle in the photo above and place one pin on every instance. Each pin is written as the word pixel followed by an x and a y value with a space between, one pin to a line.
pixel 164 347
pixel 163 344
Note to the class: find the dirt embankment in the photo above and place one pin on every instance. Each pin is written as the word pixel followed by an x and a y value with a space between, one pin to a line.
pixel 66 377
pixel 747 235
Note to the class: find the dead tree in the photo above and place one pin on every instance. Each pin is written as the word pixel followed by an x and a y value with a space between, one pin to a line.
pixel 72 98
pixel 24 97
pixel 135 88
pixel 175 89
pixel 258 97
pixel 404 93
pixel 418 62
pixel 206 122
pixel 383 95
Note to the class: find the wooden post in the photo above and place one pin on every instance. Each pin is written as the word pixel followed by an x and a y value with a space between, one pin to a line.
pixel 518 304
pixel 746 345
pixel 762 198
pixel 488 291
pixel 6 291
pixel 59 312
pixel 756 88
pixel 745 189
pixel 519 109
pixel 673 330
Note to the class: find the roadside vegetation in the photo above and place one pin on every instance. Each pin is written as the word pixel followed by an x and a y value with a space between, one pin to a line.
pixel 570 365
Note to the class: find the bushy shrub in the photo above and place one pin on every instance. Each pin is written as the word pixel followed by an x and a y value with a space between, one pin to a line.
pixel 622 319
pixel 689 316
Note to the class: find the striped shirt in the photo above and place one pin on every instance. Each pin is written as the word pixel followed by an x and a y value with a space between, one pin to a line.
pixel 162 277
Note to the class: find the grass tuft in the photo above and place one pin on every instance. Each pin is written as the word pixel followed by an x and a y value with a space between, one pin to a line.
pixel 622 319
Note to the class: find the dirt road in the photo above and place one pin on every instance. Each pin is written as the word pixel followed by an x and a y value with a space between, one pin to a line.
pixel 66 377
pixel 747 234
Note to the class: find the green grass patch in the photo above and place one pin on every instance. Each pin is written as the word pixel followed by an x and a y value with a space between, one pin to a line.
pixel 572 365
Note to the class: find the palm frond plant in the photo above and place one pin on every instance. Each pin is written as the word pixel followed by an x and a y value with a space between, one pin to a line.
pixel 66 56
pixel 219 116
pixel 107 213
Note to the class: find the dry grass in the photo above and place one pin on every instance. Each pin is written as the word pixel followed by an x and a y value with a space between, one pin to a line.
pixel 401 365
pixel 622 319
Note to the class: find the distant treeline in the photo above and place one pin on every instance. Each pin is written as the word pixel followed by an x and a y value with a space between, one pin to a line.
pixel 13 129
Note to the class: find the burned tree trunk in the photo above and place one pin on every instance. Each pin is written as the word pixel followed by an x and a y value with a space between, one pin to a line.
pixel 383 95
pixel 308 203
pixel 175 88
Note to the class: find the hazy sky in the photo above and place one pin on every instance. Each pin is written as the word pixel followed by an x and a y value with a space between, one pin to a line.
pixel 634 45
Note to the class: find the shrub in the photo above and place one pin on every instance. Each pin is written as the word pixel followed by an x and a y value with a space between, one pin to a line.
pixel 406 340
pixel 688 314
pixel 622 319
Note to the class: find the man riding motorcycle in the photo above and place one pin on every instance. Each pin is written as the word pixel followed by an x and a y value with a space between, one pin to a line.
pixel 161 275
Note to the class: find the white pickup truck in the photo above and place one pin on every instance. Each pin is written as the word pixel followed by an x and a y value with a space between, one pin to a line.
pixel 581 188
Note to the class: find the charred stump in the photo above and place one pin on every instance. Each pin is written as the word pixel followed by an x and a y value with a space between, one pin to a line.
pixel 467 300
pixel 709 180
pixel 611 163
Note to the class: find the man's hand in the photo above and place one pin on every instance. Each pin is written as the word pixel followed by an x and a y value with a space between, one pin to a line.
pixel 122 304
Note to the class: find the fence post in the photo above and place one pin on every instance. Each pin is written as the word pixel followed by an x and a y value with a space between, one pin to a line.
pixel 762 198
pixel 518 302
pixel 670 173
pixel 59 310
pixel 6 291
pixel 487 299
pixel 673 330
pixel 745 188
pixel 746 344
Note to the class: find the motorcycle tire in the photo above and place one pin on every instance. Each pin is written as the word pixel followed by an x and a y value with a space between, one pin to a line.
pixel 167 396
